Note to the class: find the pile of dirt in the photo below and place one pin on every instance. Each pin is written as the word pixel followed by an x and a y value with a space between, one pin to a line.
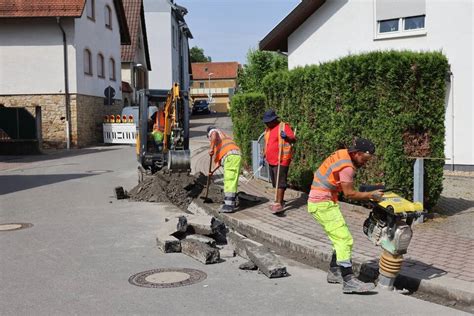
pixel 177 188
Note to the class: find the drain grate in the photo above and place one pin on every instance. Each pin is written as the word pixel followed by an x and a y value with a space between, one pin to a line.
pixel 14 226
pixel 167 278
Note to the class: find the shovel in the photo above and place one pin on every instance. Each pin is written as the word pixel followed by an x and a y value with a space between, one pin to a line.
pixel 211 172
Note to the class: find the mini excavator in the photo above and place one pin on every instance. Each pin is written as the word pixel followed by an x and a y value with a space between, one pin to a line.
pixel 163 130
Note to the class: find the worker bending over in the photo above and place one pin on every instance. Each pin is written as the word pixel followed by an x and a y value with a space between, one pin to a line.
pixel 226 153
pixel 336 174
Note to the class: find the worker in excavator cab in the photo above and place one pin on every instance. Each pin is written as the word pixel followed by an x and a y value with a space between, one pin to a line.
pixel 227 154
pixel 156 127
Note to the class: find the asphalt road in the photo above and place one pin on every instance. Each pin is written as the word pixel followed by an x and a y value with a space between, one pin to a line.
pixel 84 246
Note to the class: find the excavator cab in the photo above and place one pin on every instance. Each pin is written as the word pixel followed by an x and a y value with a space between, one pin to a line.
pixel 163 130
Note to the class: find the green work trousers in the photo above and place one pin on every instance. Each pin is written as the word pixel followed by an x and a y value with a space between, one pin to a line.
pixel 328 215
pixel 232 165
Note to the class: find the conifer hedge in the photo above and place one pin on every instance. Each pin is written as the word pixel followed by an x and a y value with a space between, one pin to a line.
pixel 396 99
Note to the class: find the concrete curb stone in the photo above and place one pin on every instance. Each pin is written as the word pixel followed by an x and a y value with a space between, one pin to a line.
pixel 318 254
pixel 200 251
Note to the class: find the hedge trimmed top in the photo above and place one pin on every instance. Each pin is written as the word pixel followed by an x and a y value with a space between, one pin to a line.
pixel 396 99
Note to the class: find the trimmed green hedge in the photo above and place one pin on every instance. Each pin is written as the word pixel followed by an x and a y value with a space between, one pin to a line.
pixel 396 99
pixel 246 111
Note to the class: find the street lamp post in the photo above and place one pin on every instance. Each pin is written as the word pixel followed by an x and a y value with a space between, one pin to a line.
pixel 209 94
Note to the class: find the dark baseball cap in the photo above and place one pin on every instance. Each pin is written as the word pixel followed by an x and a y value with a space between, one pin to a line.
pixel 363 145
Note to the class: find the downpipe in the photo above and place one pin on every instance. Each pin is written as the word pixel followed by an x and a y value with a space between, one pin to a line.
pixel 66 86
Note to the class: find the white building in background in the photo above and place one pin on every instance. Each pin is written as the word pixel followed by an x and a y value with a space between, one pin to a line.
pixel 168 36
pixel 33 63
pixel 318 31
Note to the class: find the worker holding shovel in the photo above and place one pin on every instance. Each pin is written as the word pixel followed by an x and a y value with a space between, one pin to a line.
pixel 279 138
pixel 226 152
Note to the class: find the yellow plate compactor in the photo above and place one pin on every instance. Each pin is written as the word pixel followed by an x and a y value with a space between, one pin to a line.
pixel 389 226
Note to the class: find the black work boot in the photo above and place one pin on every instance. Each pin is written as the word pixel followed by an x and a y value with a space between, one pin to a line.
pixel 227 209
pixel 353 285
pixel 334 275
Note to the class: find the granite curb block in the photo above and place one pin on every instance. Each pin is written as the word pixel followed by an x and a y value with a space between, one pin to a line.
pixel 318 255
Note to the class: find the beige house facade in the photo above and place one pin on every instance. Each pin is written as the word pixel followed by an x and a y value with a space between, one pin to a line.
pixel 215 82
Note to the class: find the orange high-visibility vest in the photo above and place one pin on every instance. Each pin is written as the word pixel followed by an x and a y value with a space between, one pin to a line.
pixel 284 146
pixel 223 145
pixel 160 120
pixel 326 177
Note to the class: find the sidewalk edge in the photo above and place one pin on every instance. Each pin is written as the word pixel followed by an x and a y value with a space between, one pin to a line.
pixel 316 254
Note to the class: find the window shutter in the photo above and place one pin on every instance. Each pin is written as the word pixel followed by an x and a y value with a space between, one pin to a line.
pixel 392 9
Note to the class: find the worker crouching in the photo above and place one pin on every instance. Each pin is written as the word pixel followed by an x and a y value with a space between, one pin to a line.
pixel 226 153
pixel 336 175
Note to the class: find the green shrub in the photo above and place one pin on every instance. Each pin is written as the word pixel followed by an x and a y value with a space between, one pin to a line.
pixel 396 99
pixel 247 110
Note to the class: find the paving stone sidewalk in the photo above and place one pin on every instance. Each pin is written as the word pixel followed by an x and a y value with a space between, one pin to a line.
pixel 434 254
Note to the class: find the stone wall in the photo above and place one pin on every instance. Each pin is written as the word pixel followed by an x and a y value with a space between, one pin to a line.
pixel 53 115
pixel 87 113
pixel 87 116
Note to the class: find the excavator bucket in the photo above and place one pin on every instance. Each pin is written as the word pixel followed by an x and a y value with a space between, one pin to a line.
pixel 179 160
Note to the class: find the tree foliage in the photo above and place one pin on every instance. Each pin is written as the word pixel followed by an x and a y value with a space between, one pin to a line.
pixel 396 99
pixel 196 55
pixel 259 64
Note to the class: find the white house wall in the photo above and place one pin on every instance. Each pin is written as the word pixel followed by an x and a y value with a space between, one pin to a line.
pixel 342 27
pixel 158 26
pixel 96 37
pixel 31 56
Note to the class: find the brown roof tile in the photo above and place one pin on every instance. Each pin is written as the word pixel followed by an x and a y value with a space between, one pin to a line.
pixel 219 70
pixel 57 8
pixel 135 17
pixel 41 8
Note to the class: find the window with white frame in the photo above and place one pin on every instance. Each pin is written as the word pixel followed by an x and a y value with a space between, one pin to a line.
pixel 402 24
pixel 87 62
pixel 112 69
pixel 100 66
pixel 90 9
pixel 400 17
pixel 108 17
pixel 414 23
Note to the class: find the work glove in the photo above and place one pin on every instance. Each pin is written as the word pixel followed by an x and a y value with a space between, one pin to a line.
pixel 261 162
pixel 283 135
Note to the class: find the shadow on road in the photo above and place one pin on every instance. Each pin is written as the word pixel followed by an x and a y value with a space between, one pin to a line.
pixel 15 183
pixel 54 154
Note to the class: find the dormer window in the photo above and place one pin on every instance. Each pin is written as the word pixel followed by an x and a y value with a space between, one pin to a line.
pixel 108 17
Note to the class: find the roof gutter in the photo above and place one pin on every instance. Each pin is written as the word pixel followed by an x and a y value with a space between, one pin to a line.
pixel 66 86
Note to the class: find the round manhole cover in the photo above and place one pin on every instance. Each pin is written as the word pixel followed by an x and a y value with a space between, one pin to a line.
pixel 166 278
pixel 14 226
